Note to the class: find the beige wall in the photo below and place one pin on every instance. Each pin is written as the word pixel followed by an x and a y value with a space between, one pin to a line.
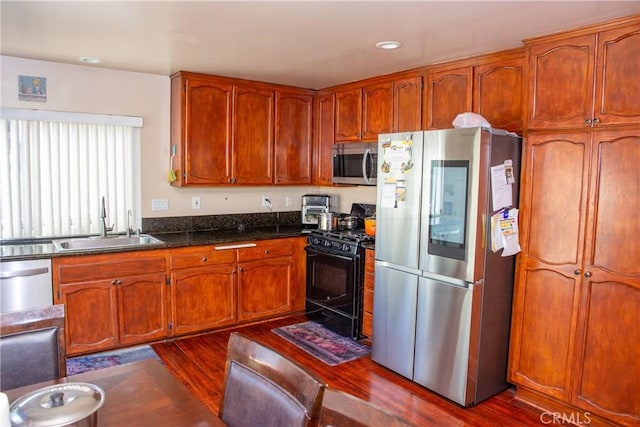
pixel 88 89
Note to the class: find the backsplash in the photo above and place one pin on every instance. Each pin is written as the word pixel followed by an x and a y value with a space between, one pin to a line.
pixel 220 222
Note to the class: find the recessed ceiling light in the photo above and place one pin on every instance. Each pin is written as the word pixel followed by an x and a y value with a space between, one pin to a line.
pixel 388 45
pixel 90 60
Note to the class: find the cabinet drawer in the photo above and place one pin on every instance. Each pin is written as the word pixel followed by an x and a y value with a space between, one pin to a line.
pixel 108 266
pixel 369 260
pixel 196 257
pixel 368 301
pixel 277 248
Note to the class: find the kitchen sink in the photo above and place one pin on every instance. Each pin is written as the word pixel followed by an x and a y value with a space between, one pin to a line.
pixel 100 243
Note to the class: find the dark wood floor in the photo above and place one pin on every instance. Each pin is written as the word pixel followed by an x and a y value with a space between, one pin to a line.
pixel 199 363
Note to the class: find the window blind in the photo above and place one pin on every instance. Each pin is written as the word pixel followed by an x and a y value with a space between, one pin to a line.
pixel 53 175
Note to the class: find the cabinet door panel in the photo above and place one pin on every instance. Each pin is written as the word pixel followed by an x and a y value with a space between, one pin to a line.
pixel 202 298
pixel 323 162
pixel 555 192
pixel 542 336
pixel 498 94
pixel 608 368
pixel 91 321
pixel 264 288
pixel 348 115
pixel 618 84
pixel 293 147
pixel 447 94
pixel 613 246
pixel 407 104
pixel 142 308
pixel 377 110
pixel 253 136
pixel 561 82
pixel 207 132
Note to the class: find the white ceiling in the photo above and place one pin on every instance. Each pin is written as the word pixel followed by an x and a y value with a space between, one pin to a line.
pixel 313 44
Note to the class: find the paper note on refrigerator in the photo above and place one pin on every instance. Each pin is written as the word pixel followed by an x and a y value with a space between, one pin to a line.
pixel 504 232
pixel 509 231
pixel 501 191
pixel 388 199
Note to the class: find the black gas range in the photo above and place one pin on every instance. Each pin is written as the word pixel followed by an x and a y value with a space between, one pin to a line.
pixel 335 279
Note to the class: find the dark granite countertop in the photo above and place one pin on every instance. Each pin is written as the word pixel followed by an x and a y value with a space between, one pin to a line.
pixel 44 249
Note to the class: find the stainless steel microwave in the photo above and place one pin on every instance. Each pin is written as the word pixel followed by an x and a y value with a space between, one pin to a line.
pixel 355 163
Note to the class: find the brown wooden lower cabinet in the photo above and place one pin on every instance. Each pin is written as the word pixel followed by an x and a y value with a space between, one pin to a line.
pixel 115 300
pixel 367 308
pixel 112 301
pixel 574 341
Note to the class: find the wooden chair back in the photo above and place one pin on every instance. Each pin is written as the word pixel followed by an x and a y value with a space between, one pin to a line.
pixel 263 387
pixel 345 410
pixel 32 346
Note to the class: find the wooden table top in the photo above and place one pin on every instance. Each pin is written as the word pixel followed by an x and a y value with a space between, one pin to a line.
pixel 139 394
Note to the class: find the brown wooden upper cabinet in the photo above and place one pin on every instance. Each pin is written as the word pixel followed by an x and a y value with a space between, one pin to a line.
pixel 407 104
pixel 253 130
pixel 498 92
pixel 323 160
pixel 364 112
pixel 489 85
pixel 294 133
pixel 586 79
pixel 226 132
pixel 201 129
pixel 448 92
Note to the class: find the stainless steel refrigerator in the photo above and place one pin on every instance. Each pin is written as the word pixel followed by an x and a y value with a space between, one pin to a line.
pixel 442 300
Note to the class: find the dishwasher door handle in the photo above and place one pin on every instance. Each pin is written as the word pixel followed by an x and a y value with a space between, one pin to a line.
pixel 24 273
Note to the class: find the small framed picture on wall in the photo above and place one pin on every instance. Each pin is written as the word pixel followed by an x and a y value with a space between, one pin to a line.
pixel 32 88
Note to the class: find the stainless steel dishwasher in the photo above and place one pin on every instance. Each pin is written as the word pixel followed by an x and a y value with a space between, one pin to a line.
pixel 25 284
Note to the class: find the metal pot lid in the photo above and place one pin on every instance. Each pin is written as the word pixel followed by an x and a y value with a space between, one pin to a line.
pixel 57 405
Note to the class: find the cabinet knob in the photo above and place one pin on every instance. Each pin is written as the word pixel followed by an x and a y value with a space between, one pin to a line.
pixel 587 274
pixel 266 251
pixel 596 121
pixel 576 272
pixel 241 269
pixel 114 282
pixel 204 259
pixel 587 121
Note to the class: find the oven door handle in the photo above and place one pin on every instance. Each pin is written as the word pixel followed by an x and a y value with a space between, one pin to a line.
pixel 312 251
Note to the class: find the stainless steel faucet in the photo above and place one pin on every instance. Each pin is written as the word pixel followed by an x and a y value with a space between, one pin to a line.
pixel 129 229
pixel 103 217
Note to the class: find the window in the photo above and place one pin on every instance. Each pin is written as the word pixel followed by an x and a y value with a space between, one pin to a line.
pixel 56 167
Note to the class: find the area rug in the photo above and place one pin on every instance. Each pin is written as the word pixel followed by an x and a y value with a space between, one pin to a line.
pixel 323 344
pixel 92 362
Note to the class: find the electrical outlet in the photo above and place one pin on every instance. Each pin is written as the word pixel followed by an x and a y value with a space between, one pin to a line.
pixel 195 203
pixel 266 202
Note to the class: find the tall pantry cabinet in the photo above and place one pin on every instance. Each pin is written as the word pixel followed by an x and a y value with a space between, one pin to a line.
pixel 576 314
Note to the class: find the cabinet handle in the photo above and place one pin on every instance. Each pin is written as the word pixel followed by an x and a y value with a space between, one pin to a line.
pixel 587 274
pixel 576 272
pixel 588 121
pixel 596 121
